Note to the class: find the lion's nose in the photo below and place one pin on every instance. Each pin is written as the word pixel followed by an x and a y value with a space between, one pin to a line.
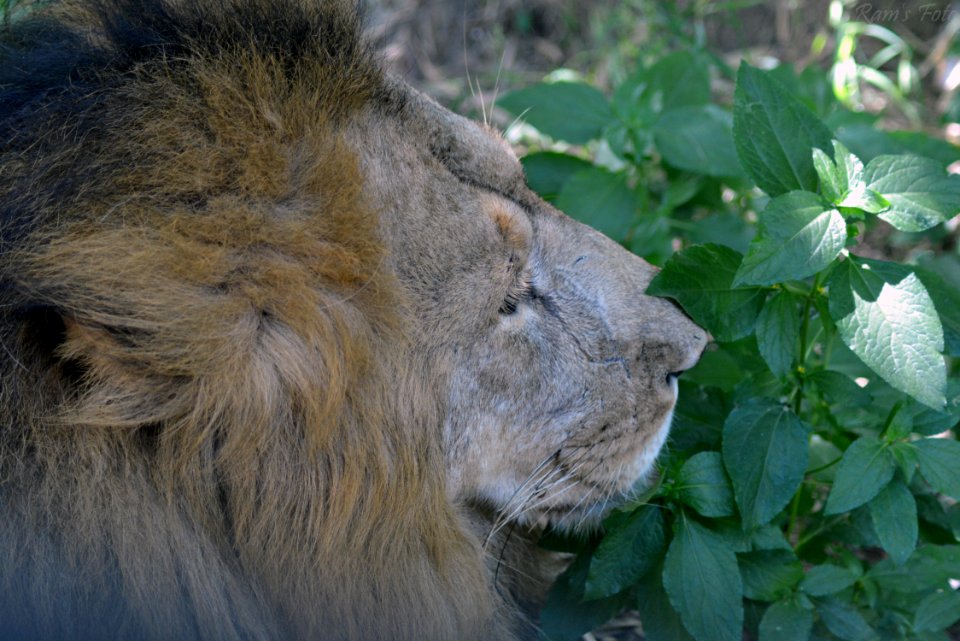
pixel 691 347
pixel 675 341
pixel 694 345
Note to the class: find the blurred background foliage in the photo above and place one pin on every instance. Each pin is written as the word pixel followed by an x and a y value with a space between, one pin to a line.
pixel 885 56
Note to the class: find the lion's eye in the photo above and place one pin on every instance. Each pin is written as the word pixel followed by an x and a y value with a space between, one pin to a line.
pixel 521 290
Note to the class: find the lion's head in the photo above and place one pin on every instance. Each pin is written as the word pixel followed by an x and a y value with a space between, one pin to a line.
pixel 284 341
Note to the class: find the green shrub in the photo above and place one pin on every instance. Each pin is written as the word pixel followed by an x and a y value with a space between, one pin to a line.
pixel 808 490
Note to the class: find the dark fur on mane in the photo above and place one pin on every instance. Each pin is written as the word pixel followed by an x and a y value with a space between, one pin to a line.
pixel 58 71
pixel 47 59
pixel 69 78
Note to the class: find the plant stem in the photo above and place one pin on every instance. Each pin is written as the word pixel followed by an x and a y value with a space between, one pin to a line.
pixel 794 508
pixel 823 467
pixel 823 526
pixel 804 332
pixel 890 417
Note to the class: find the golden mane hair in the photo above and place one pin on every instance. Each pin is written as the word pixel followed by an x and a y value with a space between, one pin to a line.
pixel 205 427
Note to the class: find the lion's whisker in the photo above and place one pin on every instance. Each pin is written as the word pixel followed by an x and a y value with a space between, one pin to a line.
pixel 571 481
pixel 521 496
pixel 522 506
pixel 539 493
pixel 509 510
pixel 496 83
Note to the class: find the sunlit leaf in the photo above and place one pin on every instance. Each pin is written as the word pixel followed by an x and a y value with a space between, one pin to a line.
pixel 892 326
pixel 800 235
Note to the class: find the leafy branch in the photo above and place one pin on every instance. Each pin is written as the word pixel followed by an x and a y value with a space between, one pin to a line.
pixel 810 483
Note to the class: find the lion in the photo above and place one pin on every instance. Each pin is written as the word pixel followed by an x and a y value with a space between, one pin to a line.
pixel 289 351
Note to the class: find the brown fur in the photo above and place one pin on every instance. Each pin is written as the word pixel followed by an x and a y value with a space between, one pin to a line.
pixel 231 379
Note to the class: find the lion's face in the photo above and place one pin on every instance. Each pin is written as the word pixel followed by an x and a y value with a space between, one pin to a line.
pixel 559 372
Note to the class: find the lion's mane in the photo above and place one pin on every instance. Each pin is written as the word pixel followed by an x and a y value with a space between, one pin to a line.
pixel 205 427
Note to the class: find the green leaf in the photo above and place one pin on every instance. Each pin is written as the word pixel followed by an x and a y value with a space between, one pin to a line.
pixel 894 515
pixel 848 165
pixel 946 299
pixel 769 574
pixel 769 537
pixel 702 484
pixel 938 611
pixel 845 621
pixel 824 456
pixel 865 199
pixel 866 468
pixel 837 178
pixel 660 621
pixel 700 278
pixel 566 615
pixel 800 235
pixel 698 139
pixel 839 388
pixel 842 182
pixel 786 621
pixel 698 563
pixel 570 111
pixel 626 553
pixel 547 171
pixel 929 422
pixel 892 326
pixel 899 423
pixel 930 566
pixel 765 451
pixel 732 535
pixel 716 368
pixel 778 330
pixel 921 194
pixel 939 460
pixel 933 513
pixel 601 199
pixel 680 191
pixel 822 580
pixel 698 418
pixel 679 79
pixel 905 454
pixel 774 134
pixel 923 144
pixel 833 181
